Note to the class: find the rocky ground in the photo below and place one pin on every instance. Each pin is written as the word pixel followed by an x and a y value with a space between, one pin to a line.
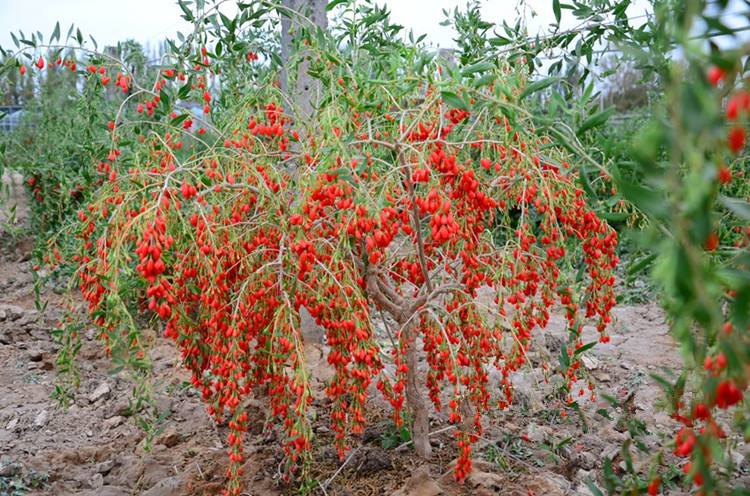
pixel 94 447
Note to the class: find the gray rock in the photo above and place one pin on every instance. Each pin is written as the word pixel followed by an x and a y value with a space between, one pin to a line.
pixel 101 392
pixel 41 419
pixel 35 355
pixel 113 422
pixel 96 481
pixel 586 460
pixel 420 484
pixel 11 426
pixel 169 438
pixel 12 312
pixel 165 487
pixel 28 317
pixel 104 467
pixel 536 433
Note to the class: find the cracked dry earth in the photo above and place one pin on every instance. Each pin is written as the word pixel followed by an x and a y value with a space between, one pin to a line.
pixel 95 448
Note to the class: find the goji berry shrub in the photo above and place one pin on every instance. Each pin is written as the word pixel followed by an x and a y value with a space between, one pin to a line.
pixel 66 104
pixel 412 188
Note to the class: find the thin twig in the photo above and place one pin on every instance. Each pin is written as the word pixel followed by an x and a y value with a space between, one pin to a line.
pixel 346 462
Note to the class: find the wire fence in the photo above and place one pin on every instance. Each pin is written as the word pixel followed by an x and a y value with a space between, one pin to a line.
pixel 10 117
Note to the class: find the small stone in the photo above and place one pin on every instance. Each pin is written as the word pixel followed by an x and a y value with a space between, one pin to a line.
pixel 586 460
pixel 104 467
pixel 121 408
pixel 611 453
pixel 12 312
pixel 590 362
pixel 41 419
pixel 36 355
pixel 165 487
pixel 97 481
pixel 12 424
pixel 535 433
pixel 28 317
pixel 169 438
pixel 113 422
pixel 101 392
pixel 420 484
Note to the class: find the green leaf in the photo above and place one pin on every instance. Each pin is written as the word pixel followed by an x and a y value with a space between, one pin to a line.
pixel 539 86
pixel 454 100
pixel 641 264
pixel 564 358
pixel 584 348
pixel 56 32
pixel 164 100
pixel 595 120
pixel 228 23
pixel 647 200
pixel 185 90
pixel 499 41
pixel 179 119
pixel 556 10
pixel 738 207
pixel 478 67
pixel 333 4
pixel 188 15
pixel 485 80
pixel 604 413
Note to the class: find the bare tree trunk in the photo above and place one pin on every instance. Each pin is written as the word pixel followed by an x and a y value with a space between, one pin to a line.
pixel 303 91
pixel 420 429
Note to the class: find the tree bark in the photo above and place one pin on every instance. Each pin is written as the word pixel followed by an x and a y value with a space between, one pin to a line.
pixel 420 429
pixel 303 90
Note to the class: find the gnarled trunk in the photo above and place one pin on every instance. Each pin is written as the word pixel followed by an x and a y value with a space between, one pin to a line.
pixel 420 429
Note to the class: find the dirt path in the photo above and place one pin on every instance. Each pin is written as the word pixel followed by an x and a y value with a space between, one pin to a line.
pixel 95 448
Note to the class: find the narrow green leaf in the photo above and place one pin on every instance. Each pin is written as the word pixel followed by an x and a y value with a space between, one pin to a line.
pixel 584 348
pixel 556 10
pixel 454 100
pixel 188 15
pixel 539 86
pixel 478 67
pixel 56 32
pixel 564 358
pixel 595 120
pixel 333 4
pixel 647 200
pixel 641 264
pixel 738 207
